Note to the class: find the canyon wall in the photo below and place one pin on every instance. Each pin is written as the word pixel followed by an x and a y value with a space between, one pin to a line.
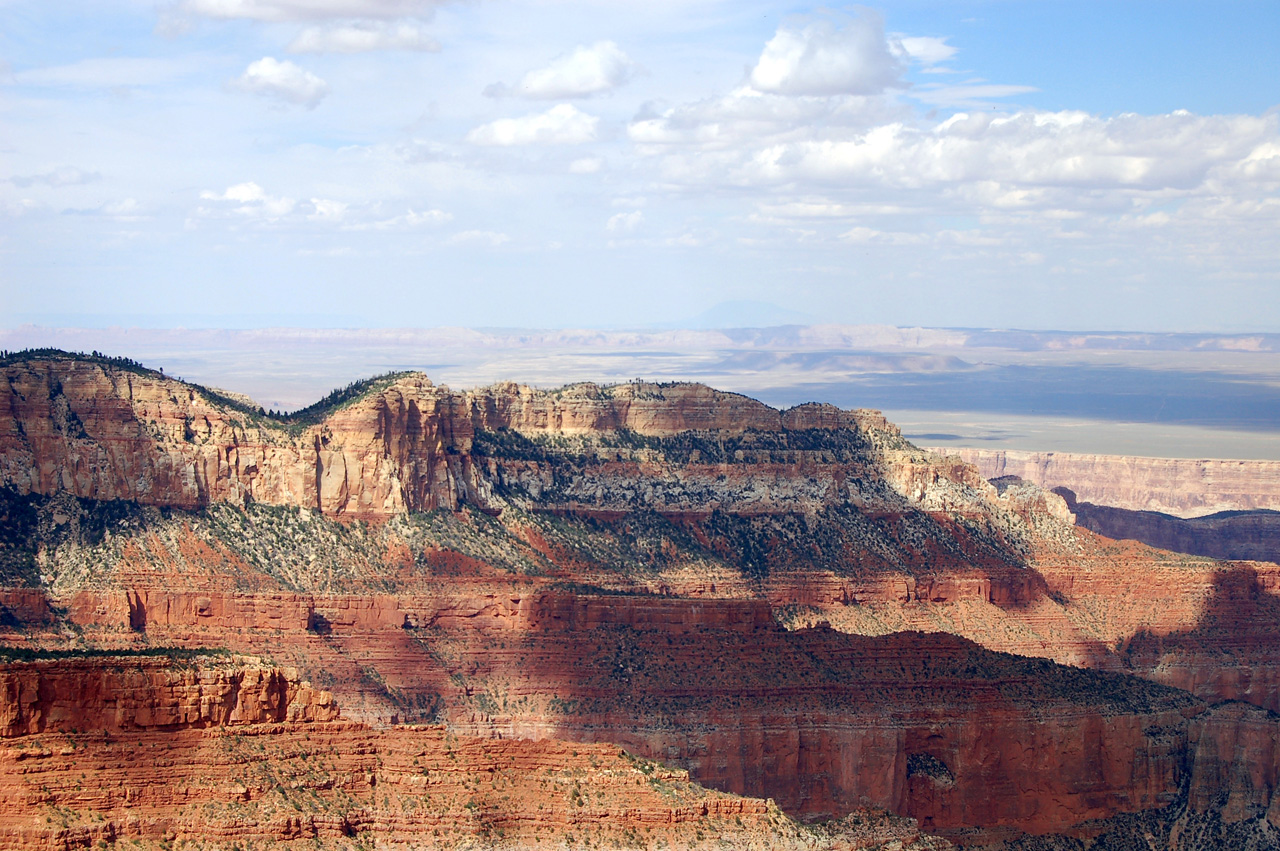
pixel 86 428
pixel 151 693
pixel 1245 535
pixel 974 745
pixel 1181 487
pixel 796 605
pixel 217 751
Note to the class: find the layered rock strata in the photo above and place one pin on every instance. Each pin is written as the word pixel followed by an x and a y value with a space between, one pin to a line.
pixel 85 428
pixel 213 755
pixel 1247 535
pixel 151 693
pixel 1177 486
pixel 613 565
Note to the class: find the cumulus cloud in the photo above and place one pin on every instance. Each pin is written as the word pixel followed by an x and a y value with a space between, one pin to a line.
pixel 327 210
pixel 409 220
pixel 363 37
pixel 624 222
pixel 870 236
pixel 823 59
pixel 253 201
pixel 481 237
pixel 242 192
pixel 309 10
pixel 283 81
pixel 745 116
pixel 1262 165
pixel 586 71
pixel 563 124
pixel 1025 160
pixel 1049 149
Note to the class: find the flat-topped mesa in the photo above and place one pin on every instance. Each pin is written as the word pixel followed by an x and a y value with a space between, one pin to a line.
pixel 1183 487
pixel 96 429
pixel 652 410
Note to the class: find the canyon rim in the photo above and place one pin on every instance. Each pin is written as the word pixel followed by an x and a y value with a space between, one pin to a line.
pixel 637 615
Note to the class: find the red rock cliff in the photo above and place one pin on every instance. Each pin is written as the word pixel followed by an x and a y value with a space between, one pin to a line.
pixel 1181 487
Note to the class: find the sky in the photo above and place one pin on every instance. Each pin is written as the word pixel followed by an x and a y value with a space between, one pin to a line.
pixel 613 164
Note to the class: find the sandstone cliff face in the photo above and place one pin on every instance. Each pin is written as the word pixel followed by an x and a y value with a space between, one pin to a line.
pixel 1245 535
pixel 613 569
pixel 150 693
pixel 114 749
pixel 100 432
pixel 1183 488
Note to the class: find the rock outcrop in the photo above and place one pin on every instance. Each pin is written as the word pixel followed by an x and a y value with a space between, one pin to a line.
pixel 796 605
pixel 1244 535
pixel 152 692
pixel 194 747
pixel 1177 486
pixel 86 428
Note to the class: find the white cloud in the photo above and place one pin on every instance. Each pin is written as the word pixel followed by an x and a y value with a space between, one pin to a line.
pixel 309 10
pixel 823 59
pixel 926 50
pixel 125 210
pixel 1023 160
pixel 563 124
pixel 483 237
pixel 61 176
pixel 327 210
pixel 870 236
pixel 363 37
pixel 250 201
pixel 1262 165
pixel 411 219
pixel 967 95
pixel 586 71
pixel 283 81
pixel 624 222
pixel 253 200
pixel 746 115
pixel 242 192
pixel 587 165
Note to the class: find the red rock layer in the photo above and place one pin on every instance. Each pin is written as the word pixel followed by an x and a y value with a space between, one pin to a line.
pixel 158 756
pixel 1248 535
pixel 101 432
pixel 1181 487
pixel 693 544
pixel 820 721
pixel 145 693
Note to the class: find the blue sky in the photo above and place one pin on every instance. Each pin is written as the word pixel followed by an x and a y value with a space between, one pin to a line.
pixel 389 163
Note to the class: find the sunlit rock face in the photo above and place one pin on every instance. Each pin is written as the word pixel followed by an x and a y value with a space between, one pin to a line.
pixel 1181 487
pixel 457 597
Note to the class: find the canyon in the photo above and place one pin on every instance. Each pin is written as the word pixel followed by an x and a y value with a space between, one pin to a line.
pixel 711 618
pixel 1177 486
pixel 1247 535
